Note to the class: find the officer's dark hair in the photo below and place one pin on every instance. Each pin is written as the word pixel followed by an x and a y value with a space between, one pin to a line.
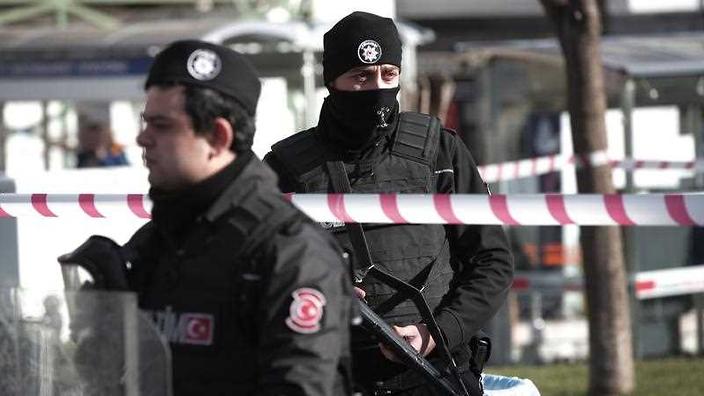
pixel 204 105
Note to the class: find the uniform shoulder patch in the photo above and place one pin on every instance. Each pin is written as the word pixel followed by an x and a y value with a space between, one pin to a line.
pixel 306 310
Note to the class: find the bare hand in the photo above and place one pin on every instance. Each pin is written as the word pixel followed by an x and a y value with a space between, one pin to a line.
pixel 359 293
pixel 417 335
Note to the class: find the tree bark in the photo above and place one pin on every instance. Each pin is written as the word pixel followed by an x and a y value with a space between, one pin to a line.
pixel 3 140
pixel 578 28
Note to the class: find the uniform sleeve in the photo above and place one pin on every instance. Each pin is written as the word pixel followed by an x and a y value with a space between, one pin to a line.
pixel 286 181
pixel 481 258
pixel 304 318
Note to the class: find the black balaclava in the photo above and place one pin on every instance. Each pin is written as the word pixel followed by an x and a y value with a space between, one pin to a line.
pixel 357 119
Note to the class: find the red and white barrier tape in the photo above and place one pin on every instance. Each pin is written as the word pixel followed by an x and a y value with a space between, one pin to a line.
pixel 529 209
pixel 75 205
pixel 647 284
pixel 552 163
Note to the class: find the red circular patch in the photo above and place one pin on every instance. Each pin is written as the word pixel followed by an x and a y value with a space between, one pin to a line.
pixel 306 310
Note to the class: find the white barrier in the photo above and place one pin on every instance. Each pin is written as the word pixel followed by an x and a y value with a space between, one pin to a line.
pixel 647 284
pixel 669 282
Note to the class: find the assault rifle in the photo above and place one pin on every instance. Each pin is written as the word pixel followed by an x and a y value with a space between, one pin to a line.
pixel 404 352
pixel 402 349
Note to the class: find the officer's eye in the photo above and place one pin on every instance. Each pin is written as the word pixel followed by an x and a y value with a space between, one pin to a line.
pixel 391 74
pixel 160 125
pixel 361 77
pixel 157 123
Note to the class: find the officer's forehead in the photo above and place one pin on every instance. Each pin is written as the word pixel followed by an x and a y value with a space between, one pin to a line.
pixel 384 67
pixel 166 93
pixel 164 99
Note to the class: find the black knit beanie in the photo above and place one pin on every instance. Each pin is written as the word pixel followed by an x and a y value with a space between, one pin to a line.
pixel 208 65
pixel 360 39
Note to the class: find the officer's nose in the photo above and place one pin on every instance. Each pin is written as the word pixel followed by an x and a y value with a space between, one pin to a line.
pixel 143 139
pixel 377 80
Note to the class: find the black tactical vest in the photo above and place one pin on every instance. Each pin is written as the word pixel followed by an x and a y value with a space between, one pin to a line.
pixel 418 254
pixel 204 297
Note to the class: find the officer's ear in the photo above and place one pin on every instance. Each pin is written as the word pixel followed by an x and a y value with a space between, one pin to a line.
pixel 223 135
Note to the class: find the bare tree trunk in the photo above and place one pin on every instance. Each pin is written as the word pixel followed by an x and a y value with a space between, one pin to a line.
pixel 442 92
pixel 605 15
pixel 3 140
pixel 611 369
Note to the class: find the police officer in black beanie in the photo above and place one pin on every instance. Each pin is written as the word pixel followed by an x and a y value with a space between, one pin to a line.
pixel 253 297
pixel 363 144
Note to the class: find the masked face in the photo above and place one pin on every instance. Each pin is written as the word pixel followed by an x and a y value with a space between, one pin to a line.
pixel 361 116
pixel 365 78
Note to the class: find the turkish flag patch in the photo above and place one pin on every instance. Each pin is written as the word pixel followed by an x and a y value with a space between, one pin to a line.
pixel 306 310
pixel 198 329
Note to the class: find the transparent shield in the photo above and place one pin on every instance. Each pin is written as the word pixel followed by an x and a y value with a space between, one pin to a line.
pixel 79 343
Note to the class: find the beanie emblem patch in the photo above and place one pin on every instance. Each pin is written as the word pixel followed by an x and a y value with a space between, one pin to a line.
pixel 369 51
pixel 203 64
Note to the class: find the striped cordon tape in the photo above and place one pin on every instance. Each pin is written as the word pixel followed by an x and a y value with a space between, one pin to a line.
pixel 529 209
pixel 647 284
pixel 542 165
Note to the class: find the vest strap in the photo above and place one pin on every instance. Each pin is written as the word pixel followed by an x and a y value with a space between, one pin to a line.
pixel 341 184
pixel 417 137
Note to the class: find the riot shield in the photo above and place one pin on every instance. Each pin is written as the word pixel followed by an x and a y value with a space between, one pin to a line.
pixel 81 343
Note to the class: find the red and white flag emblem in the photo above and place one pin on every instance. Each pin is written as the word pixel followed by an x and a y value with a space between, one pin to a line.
pixel 306 310
pixel 198 329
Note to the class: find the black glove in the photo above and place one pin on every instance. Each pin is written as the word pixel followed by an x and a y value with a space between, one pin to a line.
pixel 103 259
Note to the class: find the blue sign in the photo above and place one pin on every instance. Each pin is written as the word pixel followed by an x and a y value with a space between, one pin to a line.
pixel 76 68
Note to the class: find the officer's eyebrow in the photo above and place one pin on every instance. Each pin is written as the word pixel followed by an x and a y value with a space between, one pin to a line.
pixel 153 117
pixel 385 67
pixel 360 69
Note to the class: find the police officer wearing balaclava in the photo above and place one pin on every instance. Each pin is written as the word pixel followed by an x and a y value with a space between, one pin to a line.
pixel 253 297
pixel 363 144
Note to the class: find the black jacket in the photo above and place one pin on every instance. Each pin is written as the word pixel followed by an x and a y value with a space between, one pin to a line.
pixel 481 262
pixel 254 298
